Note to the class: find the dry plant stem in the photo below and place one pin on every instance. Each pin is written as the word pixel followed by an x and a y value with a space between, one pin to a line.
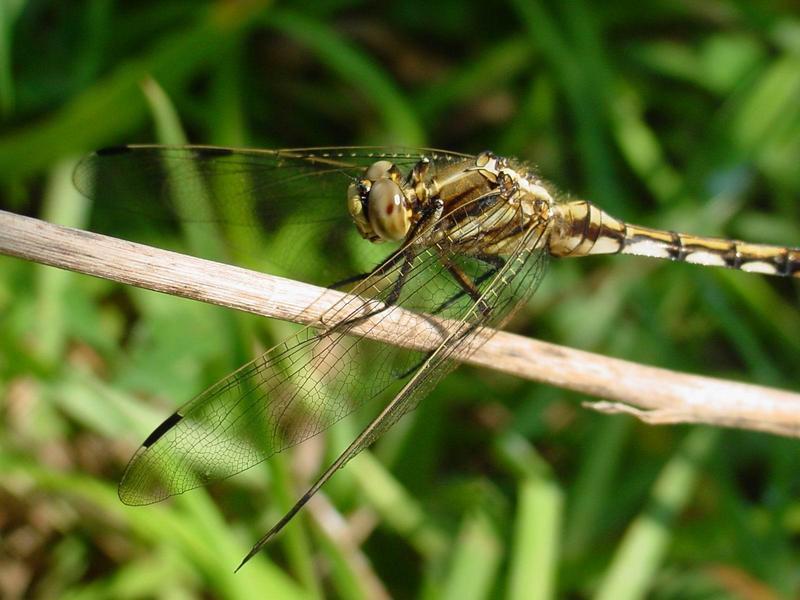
pixel 652 394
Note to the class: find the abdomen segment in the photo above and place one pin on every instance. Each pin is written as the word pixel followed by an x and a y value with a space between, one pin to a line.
pixel 580 229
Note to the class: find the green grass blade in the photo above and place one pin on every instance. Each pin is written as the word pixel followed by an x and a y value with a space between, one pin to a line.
pixel 354 66
pixel 537 530
pixel 475 560
pixel 114 105
pixel 641 552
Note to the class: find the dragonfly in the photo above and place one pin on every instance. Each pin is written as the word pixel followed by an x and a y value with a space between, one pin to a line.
pixel 468 240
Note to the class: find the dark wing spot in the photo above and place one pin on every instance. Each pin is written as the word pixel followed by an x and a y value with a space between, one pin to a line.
pixel 162 429
pixel 389 208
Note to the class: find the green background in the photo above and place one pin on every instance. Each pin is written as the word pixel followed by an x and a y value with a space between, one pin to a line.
pixel 683 116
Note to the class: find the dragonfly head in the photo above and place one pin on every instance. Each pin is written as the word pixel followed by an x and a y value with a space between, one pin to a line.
pixel 377 204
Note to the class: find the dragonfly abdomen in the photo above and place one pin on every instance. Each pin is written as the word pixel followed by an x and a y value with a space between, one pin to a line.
pixel 581 228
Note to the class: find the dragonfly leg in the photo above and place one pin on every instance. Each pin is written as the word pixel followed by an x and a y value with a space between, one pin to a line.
pixel 431 213
pixel 390 300
pixel 397 287
pixel 469 288
pixel 494 261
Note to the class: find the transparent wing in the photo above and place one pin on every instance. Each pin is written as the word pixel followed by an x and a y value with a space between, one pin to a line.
pixel 300 387
pixel 231 185
pixel 292 203
pixel 500 297
pixel 504 291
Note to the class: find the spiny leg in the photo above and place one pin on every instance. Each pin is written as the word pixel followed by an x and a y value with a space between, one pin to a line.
pixel 469 288
pixel 391 299
pixel 430 214
pixel 397 288
pixel 496 263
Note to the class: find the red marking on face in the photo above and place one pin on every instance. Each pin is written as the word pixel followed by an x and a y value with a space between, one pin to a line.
pixel 389 208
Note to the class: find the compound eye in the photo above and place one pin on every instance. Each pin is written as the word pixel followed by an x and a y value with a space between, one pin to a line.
pixel 378 170
pixel 387 211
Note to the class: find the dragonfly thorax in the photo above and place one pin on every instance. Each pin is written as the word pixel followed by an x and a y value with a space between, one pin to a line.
pixel 378 205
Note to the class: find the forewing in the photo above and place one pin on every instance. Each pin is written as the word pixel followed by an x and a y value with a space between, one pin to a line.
pixel 283 208
pixel 227 185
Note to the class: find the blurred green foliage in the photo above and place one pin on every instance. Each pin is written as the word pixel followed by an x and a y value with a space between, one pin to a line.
pixel 677 115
